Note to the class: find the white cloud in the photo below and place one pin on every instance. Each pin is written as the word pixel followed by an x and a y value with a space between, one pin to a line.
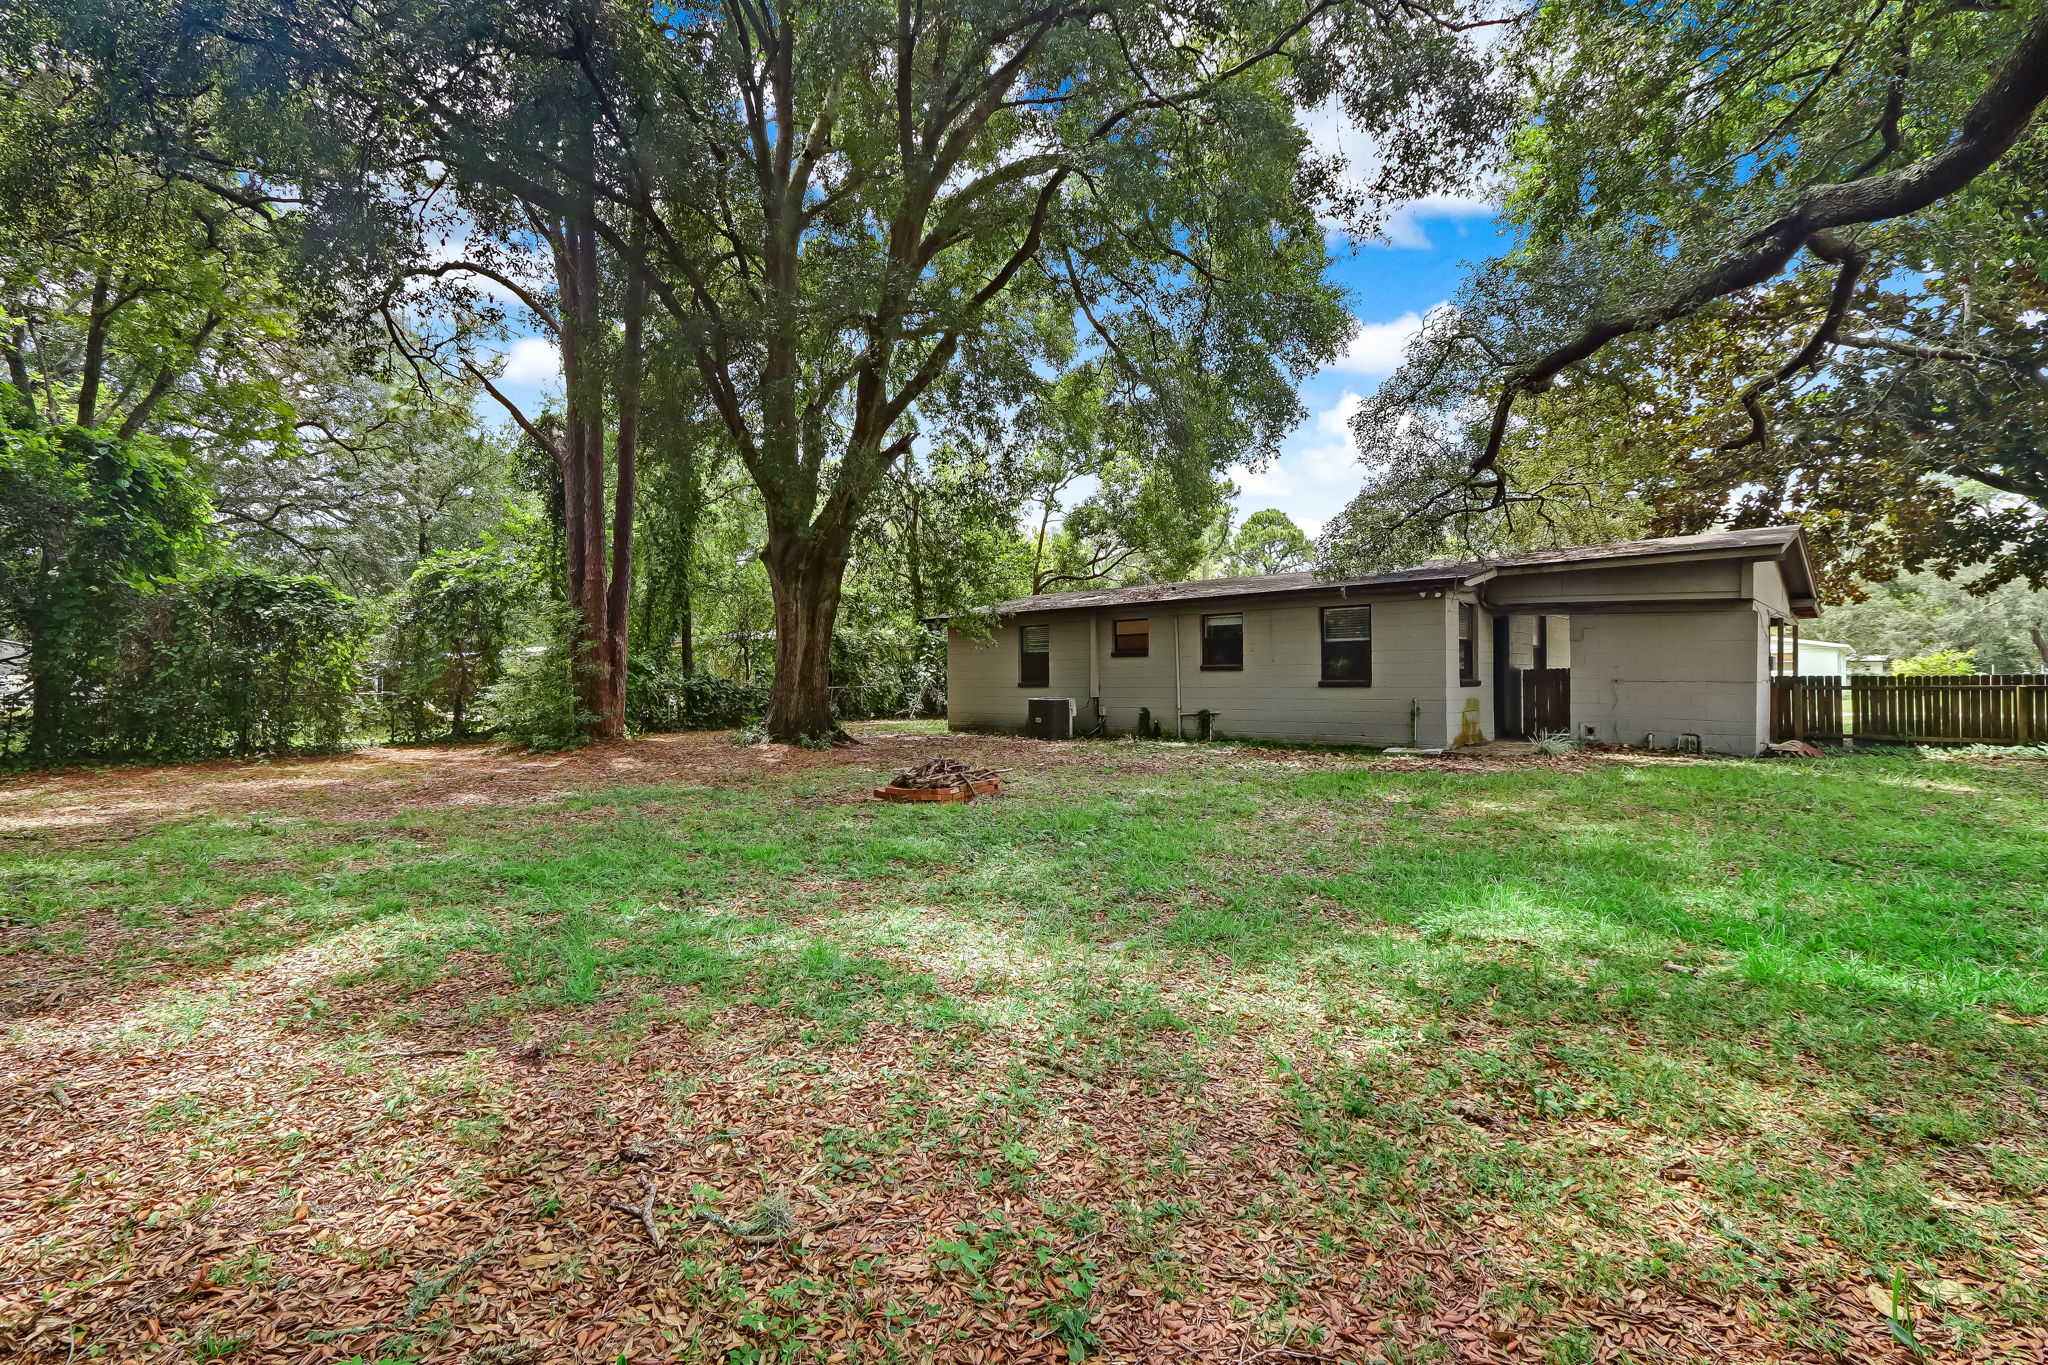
pixel 1316 472
pixel 1330 133
pixel 533 360
pixel 1404 227
pixel 1377 347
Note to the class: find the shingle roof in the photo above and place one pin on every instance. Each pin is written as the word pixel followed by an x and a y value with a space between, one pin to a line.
pixel 1769 542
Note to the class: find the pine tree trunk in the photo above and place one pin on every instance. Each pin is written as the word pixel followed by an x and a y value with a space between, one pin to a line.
pixel 600 695
pixel 806 582
pixel 626 453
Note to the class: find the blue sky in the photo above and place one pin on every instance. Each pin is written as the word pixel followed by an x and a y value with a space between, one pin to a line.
pixel 1393 284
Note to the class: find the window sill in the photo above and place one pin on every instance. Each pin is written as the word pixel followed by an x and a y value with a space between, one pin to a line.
pixel 1223 668
pixel 1345 682
pixel 1130 654
pixel 1470 682
pixel 1043 687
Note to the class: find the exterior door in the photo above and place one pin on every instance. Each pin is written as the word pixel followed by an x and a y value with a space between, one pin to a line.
pixel 1546 701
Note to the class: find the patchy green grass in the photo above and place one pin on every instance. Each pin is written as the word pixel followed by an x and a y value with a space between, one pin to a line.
pixel 1644 1037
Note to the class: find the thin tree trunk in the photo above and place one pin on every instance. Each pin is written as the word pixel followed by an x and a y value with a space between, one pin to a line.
pixel 583 478
pixel 2040 644
pixel 95 361
pixel 17 363
pixel 686 629
pixel 619 601
pixel 47 695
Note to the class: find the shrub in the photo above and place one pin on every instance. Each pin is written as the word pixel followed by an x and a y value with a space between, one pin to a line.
pixel 88 524
pixel 237 660
pixel 886 668
pixel 661 698
pixel 1943 663
pixel 449 629
pixel 534 699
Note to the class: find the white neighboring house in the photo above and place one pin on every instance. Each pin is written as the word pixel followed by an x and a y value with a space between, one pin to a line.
pixel 1667 641
pixel 1824 658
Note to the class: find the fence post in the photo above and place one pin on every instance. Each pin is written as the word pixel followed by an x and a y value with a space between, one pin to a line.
pixel 1798 706
pixel 2023 707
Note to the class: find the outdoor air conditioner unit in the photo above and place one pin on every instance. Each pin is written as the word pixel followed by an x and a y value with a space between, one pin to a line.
pixel 1051 718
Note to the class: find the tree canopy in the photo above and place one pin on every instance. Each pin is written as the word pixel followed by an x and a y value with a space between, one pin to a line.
pixel 1772 261
pixel 866 225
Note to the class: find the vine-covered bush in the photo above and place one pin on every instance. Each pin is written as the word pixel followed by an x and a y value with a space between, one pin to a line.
pixel 534 701
pixel 887 669
pixel 447 636
pixel 237 660
pixel 660 698
pixel 87 523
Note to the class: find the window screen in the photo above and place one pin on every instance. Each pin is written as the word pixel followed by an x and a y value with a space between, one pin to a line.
pixel 1468 643
pixel 1347 645
pixel 1036 656
pixel 1133 638
pixel 1223 641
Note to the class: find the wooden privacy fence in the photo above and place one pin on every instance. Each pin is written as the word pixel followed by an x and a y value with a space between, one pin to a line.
pixel 2010 708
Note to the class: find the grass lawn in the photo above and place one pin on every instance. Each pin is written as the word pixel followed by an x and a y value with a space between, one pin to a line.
pixel 1173 1053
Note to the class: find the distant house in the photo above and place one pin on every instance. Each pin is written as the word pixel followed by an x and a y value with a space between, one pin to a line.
pixel 1642 640
pixel 1817 658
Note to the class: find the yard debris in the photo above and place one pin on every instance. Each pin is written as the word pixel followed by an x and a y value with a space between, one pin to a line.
pixel 1794 748
pixel 645 1212
pixel 772 1220
pixel 535 1051
pixel 1475 1113
pixel 1059 1064
pixel 431 1287
pixel 942 779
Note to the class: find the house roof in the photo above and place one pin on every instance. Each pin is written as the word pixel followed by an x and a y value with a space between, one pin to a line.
pixel 1783 543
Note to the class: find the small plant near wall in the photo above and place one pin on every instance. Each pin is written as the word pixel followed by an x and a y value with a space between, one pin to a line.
pixel 1204 722
pixel 1553 743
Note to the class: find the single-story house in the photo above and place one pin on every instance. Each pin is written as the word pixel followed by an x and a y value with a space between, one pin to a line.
pixel 1670 641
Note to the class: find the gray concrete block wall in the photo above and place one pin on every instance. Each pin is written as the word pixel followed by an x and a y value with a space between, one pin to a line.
pixel 1670 673
pixel 982 687
pixel 1277 695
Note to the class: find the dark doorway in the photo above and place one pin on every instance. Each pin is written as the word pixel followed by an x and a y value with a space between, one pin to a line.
pixel 1507 684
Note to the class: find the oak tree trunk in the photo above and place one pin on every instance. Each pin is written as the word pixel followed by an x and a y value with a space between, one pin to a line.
pixel 805 578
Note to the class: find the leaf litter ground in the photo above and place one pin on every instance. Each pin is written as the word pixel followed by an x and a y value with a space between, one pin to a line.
pixel 1207 1053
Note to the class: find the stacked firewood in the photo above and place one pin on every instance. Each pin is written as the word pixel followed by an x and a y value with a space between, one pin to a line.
pixel 938 773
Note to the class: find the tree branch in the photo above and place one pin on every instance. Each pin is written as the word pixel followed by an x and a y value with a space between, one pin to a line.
pixel 1989 129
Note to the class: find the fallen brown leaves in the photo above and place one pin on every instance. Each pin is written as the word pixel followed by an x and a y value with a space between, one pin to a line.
pixel 516 1193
